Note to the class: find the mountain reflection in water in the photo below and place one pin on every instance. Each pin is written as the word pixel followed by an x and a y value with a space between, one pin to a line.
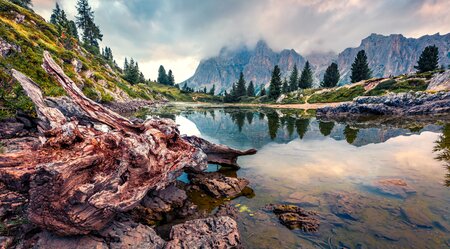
pixel 312 163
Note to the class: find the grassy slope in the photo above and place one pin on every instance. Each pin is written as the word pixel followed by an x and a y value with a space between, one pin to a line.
pixel 97 80
pixel 372 87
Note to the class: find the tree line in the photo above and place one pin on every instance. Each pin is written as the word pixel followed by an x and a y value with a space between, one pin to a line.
pixel 428 61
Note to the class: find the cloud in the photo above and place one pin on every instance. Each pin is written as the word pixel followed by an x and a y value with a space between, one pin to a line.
pixel 179 33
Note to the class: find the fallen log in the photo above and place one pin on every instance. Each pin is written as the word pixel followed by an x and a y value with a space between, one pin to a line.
pixel 218 153
pixel 80 177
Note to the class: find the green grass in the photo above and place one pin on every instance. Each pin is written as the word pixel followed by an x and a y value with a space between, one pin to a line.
pixel 35 35
pixel 395 86
pixel 337 95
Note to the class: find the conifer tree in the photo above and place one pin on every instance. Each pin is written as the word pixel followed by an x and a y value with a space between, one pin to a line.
pixel 251 89
pixel 360 68
pixel 170 78
pixel 306 78
pixel 85 21
pixel 331 77
pixel 241 90
pixel 162 76
pixel 293 79
pixel 275 83
pixel 212 90
pixel 428 60
pixel 285 88
pixel 56 15
pixel 263 91
pixel 23 3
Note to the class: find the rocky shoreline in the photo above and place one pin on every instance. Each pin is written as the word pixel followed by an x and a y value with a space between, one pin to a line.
pixel 401 104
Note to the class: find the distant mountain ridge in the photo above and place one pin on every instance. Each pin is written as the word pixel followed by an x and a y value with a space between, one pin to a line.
pixel 387 55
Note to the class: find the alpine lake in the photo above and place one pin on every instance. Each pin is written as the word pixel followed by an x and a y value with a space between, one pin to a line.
pixel 374 183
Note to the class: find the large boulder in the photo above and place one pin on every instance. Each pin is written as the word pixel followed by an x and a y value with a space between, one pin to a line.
pixel 215 232
pixel 440 82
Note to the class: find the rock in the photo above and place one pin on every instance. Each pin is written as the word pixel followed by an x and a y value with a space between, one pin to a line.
pixel 295 217
pixel 165 200
pixel 218 185
pixel 411 103
pixel 10 202
pixel 130 235
pixel 416 217
pixel 19 18
pixel 69 108
pixel 394 187
pixel 11 128
pixel 6 242
pixel 303 200
pixel 77 65
pixel 440 82
pixel 344 205
pixel 7 48
pixel 218 232
pixel 47 240
pixel 227 210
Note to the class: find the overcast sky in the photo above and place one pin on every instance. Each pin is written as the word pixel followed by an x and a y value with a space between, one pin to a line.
pixel 179 33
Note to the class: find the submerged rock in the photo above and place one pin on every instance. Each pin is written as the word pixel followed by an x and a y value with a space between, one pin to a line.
pixel 220 232
pixel 416 217
pixel 295 217
pixel 219 185
pixel 344 204
pixel 304 200
pixel 394 187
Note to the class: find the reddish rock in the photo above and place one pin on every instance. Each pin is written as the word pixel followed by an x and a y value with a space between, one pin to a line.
pixel 219 233
pixel 394 187
pixel 295 217
pixel 219 185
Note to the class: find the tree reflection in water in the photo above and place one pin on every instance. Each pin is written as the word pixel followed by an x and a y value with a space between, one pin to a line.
pixel 442 148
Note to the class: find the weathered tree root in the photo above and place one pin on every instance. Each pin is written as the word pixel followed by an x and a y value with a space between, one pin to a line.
pixel 80 178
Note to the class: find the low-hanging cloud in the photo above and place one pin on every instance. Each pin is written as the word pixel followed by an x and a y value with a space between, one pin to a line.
pixel 179 33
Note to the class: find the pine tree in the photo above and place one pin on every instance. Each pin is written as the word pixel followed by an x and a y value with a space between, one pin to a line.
pixel 331 77
pixel 360 68
pixel 141 78
pixel 212 90
pixel 23 3
pixel 293 79
pixel 240 86
pixel 170 78
pixel 275 83
pixel 306 78
pixel 162 76
pixel 285 88
pixel 85 21
pixel 251 89
pixel 428 60
pixel 56 14
pixel 72 29
pixel 263 91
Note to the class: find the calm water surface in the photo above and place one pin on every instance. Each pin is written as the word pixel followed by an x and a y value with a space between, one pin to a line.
pixel 311 163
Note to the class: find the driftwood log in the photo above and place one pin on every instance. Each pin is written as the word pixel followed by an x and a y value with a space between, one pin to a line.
pixel 80 177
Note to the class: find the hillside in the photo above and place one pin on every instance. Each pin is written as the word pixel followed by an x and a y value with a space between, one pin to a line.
pixel 24 37
pixel 387 55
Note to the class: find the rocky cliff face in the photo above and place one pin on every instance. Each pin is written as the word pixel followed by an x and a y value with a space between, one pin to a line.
pixel 393 54
pixel 387 55
pixel 256 64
